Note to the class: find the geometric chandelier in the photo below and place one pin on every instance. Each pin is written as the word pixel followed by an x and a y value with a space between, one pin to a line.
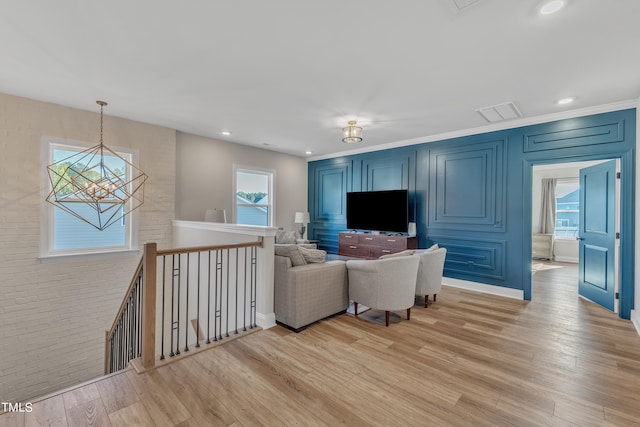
pixel 88 186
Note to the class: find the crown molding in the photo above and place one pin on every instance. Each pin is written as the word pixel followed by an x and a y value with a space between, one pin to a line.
pixel 511 124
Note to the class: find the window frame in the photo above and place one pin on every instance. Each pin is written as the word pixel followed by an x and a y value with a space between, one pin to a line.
pixel 47 210
pixel 271 174
pixel 575 181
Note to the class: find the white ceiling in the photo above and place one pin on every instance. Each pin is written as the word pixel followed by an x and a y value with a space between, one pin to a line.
pixel 291 73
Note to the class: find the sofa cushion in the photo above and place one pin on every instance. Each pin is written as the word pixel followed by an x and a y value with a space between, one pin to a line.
pixel 291 251
pixel 313 255
pixel 397 254
pixel 285 237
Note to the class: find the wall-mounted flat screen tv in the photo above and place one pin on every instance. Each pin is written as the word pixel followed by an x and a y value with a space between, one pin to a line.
pixel 378 210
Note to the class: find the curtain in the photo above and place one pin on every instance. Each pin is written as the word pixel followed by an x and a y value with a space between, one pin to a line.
pixel 548 206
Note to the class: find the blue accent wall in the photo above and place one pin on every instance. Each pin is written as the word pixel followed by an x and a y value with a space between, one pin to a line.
pixel 472 194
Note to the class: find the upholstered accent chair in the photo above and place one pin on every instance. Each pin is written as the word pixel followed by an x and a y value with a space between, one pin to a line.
pixel 429 280
pixel 384 284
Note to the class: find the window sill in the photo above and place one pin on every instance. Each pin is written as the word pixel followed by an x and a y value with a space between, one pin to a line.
pixel 87 255
pixel 569 239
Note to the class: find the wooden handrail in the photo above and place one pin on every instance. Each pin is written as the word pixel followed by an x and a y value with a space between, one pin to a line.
pixel 147 269
pixel 134 280
pixel 258 243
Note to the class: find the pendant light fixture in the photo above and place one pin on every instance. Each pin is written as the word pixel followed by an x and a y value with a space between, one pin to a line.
pixel 97 185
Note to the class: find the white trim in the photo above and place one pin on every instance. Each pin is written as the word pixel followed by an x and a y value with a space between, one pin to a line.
pixel 266 321
pixel 484 288
pixel 86 255
pixel 635 319
pixel 250 230
pixel 511 124
pixel 47 210
pixel 566 259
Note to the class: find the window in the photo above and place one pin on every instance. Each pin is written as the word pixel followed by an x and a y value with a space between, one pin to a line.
pixel 567 208
pixel 63 233
pixel 253 196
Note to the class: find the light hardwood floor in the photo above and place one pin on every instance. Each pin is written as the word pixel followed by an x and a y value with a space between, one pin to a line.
pixel 469 359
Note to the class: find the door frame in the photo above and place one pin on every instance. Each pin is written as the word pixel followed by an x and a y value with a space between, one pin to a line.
pixel 625 268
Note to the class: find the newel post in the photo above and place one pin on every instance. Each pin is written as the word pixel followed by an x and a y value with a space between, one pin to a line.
pixel 149 305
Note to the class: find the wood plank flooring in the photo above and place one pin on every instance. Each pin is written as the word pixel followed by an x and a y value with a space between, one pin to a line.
pixel 470 359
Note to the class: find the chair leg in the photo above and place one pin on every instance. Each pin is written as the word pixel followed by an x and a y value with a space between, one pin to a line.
pixel 408 314
pixel 386 317
pixel 434 297
pixel 426 301
pixel 355 308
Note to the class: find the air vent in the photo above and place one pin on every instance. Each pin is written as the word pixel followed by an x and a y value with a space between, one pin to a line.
pixel 463 4
pixel 500 112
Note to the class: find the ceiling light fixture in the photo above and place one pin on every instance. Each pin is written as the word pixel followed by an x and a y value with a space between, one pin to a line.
pixel 564 101
pixel 308 152
pixel 89 178
pixel 551 7
pixel 226 133
pixel 352 133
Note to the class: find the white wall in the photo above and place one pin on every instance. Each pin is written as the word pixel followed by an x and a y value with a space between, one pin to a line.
pixel 205 178
pixel 53 314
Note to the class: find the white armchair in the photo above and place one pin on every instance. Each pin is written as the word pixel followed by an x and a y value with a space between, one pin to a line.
pixel 430 273
pixel 384 284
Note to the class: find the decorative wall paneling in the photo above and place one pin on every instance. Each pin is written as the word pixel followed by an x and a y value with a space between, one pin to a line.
pixel 472 195
pixel 467 187
pixel 483 258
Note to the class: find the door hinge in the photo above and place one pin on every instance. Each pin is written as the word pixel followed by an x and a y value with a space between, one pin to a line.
pixel 617 235
pixel 618 175
pixel 617 295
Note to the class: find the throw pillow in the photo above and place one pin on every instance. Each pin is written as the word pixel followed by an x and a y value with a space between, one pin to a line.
pixel 313 255
pixel 285 237
pixel 397 254
pixel 292 252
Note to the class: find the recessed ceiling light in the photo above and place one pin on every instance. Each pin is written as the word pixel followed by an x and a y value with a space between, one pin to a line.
pixel 551 7
pixel 226 133
pixel 308 152
pixel 564 101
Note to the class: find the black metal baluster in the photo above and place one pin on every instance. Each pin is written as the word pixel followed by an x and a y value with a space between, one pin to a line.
pixel 218 315
pixel 209 300
pixel 178 307
pixel 244 293
pixel 164 259
pixel 140 295
pixel 254 262
pixel 186 307
pixel 125 334
pixel 198 306
pixel 236 309
pixel 227 304
pixel 173 279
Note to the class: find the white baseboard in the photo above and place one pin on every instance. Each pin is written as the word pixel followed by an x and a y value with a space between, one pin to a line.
pixel 266 321
pixel 566 259
pixel 635 319
pixel 483 287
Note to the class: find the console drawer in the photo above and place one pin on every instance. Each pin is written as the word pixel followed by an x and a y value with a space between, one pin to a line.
pixel 357 251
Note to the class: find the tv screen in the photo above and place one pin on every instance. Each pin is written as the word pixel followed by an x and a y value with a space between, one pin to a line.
pixel 378 210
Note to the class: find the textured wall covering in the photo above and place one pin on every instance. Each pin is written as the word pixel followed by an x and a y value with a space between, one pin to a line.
pixel 53 313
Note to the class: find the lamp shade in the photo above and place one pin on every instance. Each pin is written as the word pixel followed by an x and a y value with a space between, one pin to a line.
pixel 301 218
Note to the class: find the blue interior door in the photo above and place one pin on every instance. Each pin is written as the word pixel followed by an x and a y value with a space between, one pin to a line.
pixel 596 278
